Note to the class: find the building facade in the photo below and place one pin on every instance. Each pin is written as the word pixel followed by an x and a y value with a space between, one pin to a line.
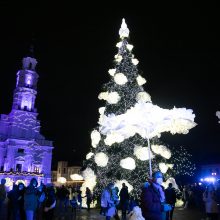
pixel 65 171
pixel 24 151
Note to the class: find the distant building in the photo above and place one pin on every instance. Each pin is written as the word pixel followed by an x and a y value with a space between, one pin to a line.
pixel 24 152
pixel 63 170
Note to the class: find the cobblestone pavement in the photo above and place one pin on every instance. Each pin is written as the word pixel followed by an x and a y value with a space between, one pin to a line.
pixel 93 214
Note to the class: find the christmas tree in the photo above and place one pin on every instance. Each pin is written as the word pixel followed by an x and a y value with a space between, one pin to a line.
pixel 128 122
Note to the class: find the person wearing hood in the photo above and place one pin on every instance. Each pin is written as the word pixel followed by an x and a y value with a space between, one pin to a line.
pixel 31 199
pixel 153 198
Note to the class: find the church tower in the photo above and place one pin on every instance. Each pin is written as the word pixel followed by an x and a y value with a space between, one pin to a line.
pixel 24 152
pixel 26 86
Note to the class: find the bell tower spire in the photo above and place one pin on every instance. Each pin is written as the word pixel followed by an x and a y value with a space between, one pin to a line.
pixel 26 85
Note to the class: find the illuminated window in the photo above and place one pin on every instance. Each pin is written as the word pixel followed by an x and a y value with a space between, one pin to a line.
pixel 36 169
pixel 28 80
pixel 18 167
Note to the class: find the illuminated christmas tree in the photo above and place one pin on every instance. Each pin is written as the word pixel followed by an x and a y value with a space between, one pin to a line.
pixel 128 122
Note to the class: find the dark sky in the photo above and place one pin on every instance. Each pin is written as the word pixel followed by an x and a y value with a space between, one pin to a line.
pixel 178 51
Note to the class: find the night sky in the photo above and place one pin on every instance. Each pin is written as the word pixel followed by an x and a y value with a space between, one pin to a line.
pixel 178 51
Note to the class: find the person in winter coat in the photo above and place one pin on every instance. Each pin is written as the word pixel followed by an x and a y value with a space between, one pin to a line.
pixel 107 202
pixel 2 194
pixel 21 190
pixel 170 195
pixel 124 200
pixel 152 198
pixel 31 199
pixel 50 204
pixel 211 207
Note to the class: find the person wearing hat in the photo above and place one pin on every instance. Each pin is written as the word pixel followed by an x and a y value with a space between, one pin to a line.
pixel 31 199
pixel 107 202
pixel 153 198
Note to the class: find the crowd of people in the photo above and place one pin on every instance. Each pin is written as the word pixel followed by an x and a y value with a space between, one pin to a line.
pixel 38 202
pixel 155 203
pixel 158 203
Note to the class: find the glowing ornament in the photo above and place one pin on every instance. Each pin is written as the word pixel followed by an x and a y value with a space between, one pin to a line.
pixel 95 137
pixel 128 163
pixel 76 177
pixel 143 97
pixel 120 78
pixel 113 98
pixel 101 159
pixel 123 31
pixel 135 61
pixel 112 72
pixel 89 155
pixel 61 180
pixel 140 80
pixel 141 153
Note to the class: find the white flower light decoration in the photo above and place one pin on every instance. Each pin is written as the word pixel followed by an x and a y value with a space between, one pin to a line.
pixel 113 137
pixel 128 163
pixel 143 97
pixel 118 58
pixel 130 47
pixel 113 98
pixel 161 150
pixel 95 137
pixel 141 80
pixel 76 177
pixel 112 72
pixel 120 78
pixel 218 115
pixel 163 167
pixel 142 153
pixel 101 159
pixel 119 44
pixel 89 155
pixel 90 181
pixel 118 183
pixel 135 61
pixel 101 112
pixel 103 95
pixel 61 180
pixel 123 31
